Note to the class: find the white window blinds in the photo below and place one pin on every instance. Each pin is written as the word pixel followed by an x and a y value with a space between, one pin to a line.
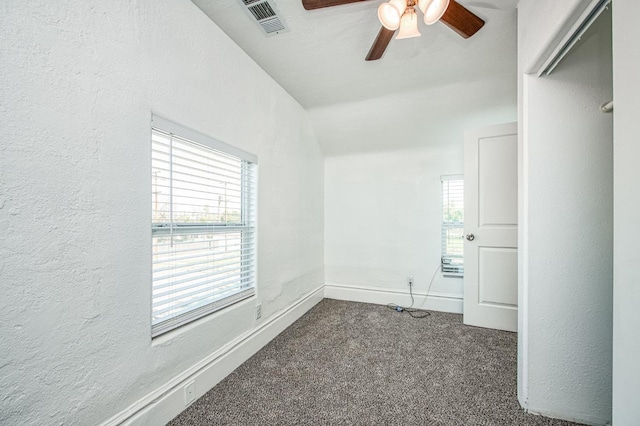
pixel 203 226
pixel 452 225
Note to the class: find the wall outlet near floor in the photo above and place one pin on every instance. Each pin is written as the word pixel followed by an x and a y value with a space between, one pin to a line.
pixel 189 393
pixel 409 281
pixel 259 311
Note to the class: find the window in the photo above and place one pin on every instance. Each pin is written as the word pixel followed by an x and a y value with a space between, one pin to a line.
pixel 452 225
pixel 203 225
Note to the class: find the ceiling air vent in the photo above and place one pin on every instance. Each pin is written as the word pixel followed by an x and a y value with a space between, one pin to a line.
pixel 265 13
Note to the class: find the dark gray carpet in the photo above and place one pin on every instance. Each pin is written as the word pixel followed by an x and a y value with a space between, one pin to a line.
pixel 360 364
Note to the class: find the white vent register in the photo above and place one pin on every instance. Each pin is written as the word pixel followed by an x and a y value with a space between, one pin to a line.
pixel 266 14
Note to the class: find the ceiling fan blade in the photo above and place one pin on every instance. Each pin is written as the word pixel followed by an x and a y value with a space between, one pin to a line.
pixel 381 43
pixel 461 20
pixel 319 4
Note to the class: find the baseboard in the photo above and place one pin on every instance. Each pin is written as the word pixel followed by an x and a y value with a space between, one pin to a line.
pixel 435 301
pixel 580 419
pixel 162 405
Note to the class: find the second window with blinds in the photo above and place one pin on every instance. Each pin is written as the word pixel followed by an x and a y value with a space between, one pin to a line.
pixel 452 225
pixel 203 225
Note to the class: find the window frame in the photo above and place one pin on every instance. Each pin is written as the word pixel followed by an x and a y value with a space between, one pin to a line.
pixel 451 264
pixel 246 227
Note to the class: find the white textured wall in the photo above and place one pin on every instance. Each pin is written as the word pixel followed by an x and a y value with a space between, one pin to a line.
pixel 566 217
pixel 545 25
pixel 382 180
pixel 383 219
pixel 79 82
pixel 626 263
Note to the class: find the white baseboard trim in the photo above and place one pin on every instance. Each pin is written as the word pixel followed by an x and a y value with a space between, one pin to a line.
pixel 166 402
pixel 162 405
pixel 435 301
pixel 581 419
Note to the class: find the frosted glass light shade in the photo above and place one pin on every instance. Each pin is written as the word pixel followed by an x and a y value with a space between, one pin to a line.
pixel 434 10
pixel 389 13
pixel 408 25
pixel 423 4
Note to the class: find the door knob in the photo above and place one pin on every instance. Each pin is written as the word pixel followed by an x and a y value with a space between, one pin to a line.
pixel 471 237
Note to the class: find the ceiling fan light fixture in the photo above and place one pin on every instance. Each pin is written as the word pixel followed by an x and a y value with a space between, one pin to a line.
pixel 423 4
pixel 408 24
pixel 433 10
pixel 389 13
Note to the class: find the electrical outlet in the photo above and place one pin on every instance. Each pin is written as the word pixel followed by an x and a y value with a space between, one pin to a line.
pixel 189 393
pixel 259 311
pixel 410 281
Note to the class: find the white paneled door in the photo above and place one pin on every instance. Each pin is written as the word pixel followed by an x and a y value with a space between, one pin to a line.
pixel 491 227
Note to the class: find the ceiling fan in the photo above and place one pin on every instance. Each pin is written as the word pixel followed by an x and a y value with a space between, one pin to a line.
pixel 402 15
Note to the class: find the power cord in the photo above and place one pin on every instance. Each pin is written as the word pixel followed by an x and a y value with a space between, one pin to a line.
pixel 415 312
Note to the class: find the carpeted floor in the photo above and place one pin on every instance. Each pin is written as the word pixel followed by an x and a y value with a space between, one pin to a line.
pixel 346 363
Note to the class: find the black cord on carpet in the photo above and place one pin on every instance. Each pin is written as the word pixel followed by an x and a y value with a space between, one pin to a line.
pixel 415 312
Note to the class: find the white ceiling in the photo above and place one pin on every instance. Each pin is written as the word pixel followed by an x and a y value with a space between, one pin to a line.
pixel 320 61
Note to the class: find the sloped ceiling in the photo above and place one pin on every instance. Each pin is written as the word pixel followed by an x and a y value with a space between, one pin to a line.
pixel 320 60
